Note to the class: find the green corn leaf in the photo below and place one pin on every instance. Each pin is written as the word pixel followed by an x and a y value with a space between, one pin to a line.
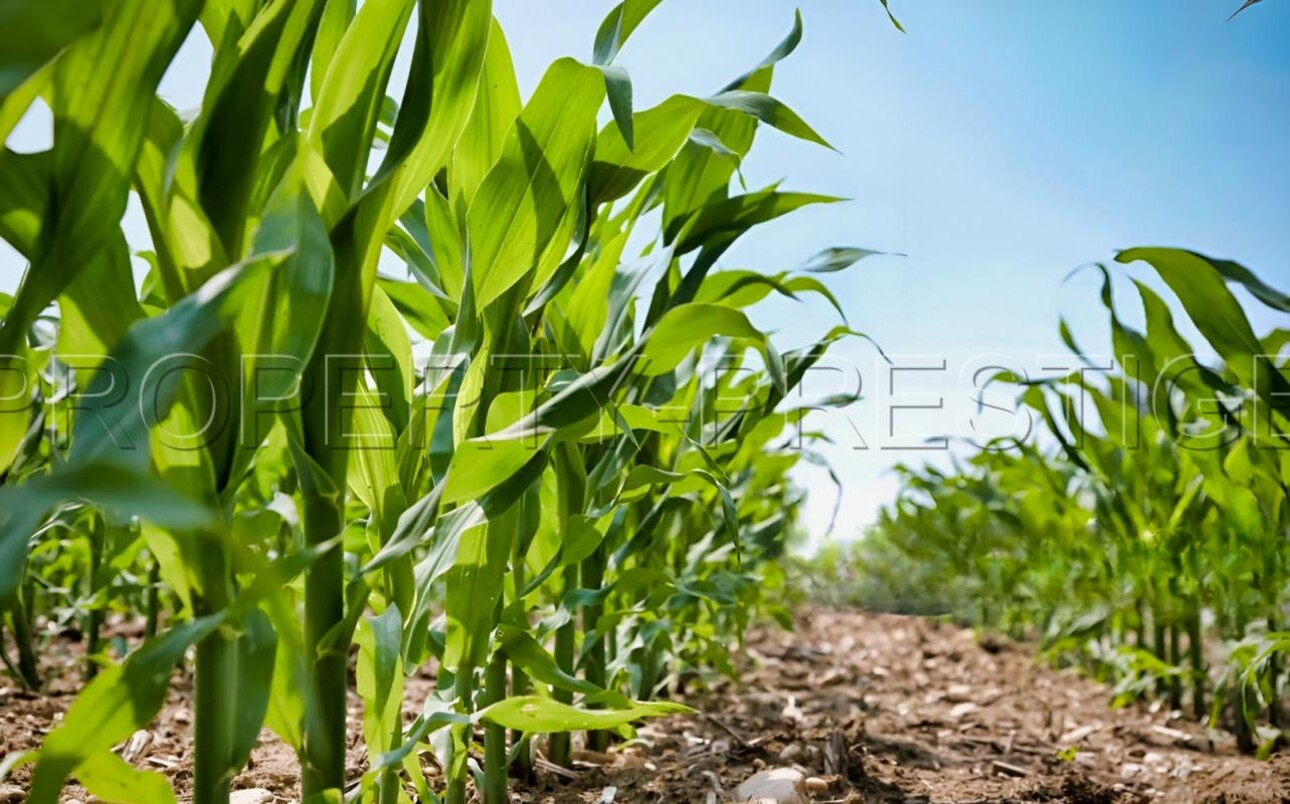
pixel 618 88
pixel 574 405
pixel 527 653
pixel 416 306
pixel 740 289
pixel 617 26
pixel 33 32
pixel 473 588
pixel 480 465
pixel 1244 6
pixel 522 201
pixel 579 539
pixel 437 716
pixel 458 38
pixel 543 715
pixel 893 19
pixel 586 313
pixel 124 698
pixel 687 327
pixel 224 19
pixel 292 695
pixel 380 678
pixel 24 198
pixel 17 375
pixel 769 111
pixel 659 133
pixel 414 524
pixel 336 18
pixel 497 104
pixel 724 221
pixel 116 434
pixel 389 358
pixel 219 159
pixel 835 259
pixel 1200 287
pixel 700 174
pixel 257 648
pixel 118 701
pixel 98 307
pixel 109 463
pixel 809 284
pixel 349 102
pixel 1235 272
pixel 1204 295
pixel 109 778
pixel 374 469
pixel 781 51
pixel 102 88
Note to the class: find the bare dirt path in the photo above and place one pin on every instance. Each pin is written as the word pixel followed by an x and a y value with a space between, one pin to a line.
pixel 876 708
pixel 889 708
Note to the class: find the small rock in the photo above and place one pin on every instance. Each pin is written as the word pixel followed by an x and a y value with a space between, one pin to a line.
pixel 791 710
pixel 252 795
pixel 775 786
pixel 135 747
pixel 791 752
pixel 963 710
pixel 9 794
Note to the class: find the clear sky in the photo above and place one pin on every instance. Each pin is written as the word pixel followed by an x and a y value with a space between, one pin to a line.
pixel 999 144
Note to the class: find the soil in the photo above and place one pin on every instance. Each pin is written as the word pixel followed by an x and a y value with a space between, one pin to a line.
pixel 876 708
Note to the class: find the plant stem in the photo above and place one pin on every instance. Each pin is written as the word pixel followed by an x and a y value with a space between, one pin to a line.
pixel 520 679
pixel 19 621
pixel 561 744
pixel 1240 724
pixel 388 787
pixel 495 736
pixel 593 576
pixel 1160 648
pixel 1274 673
pixel 324 747
pixel 1175 659
pixel 649 674
pixel 215 693
pixel 464 689
pixel 1196 651
pixel 153 599
pixel 94 617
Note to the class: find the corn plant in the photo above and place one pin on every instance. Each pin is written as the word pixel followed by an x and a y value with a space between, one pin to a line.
pixel 562 501
pixel 1149 522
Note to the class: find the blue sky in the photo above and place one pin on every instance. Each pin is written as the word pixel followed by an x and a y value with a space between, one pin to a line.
pixel 999 145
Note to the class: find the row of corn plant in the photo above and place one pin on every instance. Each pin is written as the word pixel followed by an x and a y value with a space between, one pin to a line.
pixel 1145 530
pixel 430 376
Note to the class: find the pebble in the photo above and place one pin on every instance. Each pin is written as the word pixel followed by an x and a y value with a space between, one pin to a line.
pixel 775 786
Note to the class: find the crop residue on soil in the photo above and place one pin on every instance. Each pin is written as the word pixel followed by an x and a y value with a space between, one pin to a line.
pixel 881 708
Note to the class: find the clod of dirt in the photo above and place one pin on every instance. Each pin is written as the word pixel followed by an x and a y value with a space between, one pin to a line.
pixel 10 794
pixel 776 786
